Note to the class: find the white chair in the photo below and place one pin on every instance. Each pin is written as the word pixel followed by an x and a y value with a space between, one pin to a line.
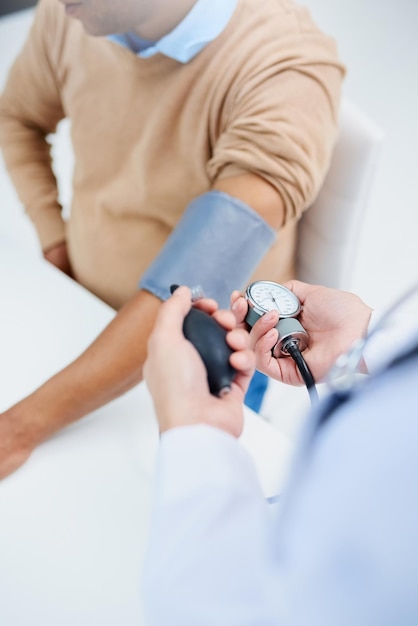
pixel 329 230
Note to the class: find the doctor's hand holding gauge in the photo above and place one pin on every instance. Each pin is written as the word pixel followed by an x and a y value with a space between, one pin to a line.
pixel 328 322
pixel 280 327
pixel 264 296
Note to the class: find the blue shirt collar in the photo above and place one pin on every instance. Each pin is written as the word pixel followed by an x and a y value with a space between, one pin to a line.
pixel 204 22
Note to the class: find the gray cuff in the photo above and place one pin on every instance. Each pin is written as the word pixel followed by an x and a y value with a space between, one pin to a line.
pixel 217 244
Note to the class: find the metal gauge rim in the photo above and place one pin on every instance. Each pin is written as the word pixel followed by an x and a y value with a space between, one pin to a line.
pixel 266 295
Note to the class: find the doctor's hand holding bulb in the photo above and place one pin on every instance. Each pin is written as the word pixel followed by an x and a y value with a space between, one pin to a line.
pixel 176 375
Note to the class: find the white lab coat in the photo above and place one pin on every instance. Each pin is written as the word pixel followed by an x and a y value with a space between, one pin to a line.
pixel 341 550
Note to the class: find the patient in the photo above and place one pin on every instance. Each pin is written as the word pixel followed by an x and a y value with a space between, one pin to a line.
pixel 200 129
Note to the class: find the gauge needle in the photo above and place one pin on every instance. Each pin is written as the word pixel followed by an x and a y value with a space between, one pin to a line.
pixel 273 299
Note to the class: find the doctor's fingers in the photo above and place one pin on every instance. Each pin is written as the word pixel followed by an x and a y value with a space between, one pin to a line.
pixel 169 321
pixel 262 327
pixel 244 361
pixel 265 362
pixel 239 307
pixel 238 339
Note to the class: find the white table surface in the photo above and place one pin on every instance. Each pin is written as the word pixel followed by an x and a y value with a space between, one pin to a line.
pixel 74 518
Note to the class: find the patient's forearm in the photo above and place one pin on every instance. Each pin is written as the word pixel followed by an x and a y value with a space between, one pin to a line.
pixel 108 368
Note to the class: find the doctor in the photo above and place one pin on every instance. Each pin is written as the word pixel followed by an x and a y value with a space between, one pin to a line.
pixel 342 548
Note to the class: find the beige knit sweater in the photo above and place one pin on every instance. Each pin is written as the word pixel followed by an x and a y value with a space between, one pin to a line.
pixel 149 135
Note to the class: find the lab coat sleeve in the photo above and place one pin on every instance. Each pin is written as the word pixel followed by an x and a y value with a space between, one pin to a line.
pixel 210 557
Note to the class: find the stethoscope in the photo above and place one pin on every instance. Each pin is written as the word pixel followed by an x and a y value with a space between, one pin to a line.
pixel 343 375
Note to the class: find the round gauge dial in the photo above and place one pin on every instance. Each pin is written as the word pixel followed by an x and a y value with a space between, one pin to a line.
pixel 265 295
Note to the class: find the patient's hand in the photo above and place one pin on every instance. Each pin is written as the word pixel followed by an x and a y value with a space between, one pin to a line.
pixel 58 256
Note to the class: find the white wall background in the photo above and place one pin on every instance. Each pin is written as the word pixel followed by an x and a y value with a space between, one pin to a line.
pixel 378 43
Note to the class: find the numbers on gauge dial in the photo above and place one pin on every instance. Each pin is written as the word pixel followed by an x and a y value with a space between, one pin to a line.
pixel 268 296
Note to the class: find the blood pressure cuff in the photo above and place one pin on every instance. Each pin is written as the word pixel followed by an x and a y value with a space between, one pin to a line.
pixel 217 244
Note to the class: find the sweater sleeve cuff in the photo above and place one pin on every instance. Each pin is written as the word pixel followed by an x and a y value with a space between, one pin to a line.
pixel 49 225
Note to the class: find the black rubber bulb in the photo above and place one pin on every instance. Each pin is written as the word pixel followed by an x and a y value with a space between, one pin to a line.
pixel 209 339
